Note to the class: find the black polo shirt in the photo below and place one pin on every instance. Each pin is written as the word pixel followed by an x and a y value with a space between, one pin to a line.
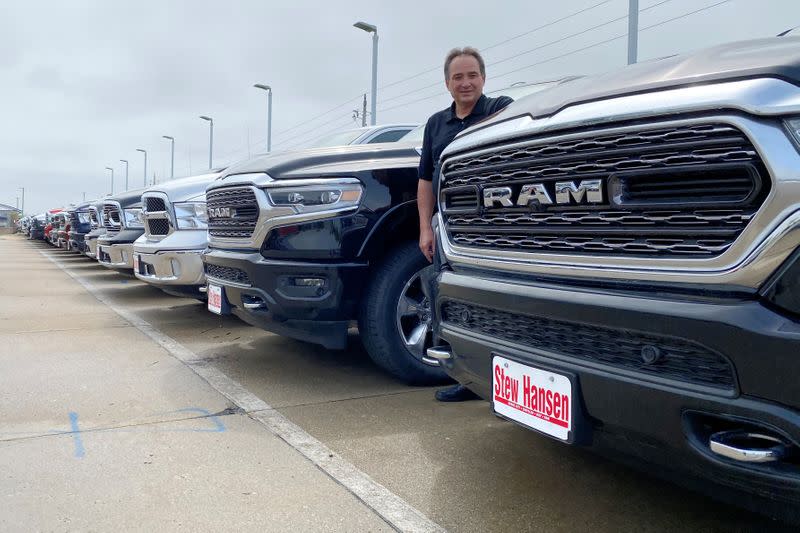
pixel 442 128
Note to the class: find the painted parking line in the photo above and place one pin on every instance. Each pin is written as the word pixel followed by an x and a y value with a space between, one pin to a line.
pixel 390 507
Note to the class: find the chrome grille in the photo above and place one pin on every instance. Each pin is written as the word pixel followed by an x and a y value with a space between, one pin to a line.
pixel 669 191
pixel 95 221
pixel 242 203
pixel 154 204
pixel 679 360
pixel 111 218
pixel 156 215
pixel 157 226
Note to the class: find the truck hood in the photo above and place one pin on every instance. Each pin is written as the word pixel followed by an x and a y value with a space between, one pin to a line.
pixel 184 189
pixel 321 162
pixel 128 198
pixel 761 58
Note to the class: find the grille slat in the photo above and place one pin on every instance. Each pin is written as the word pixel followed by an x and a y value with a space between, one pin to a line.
pixel 680 360
pixel 682 190
pixel 111 218
pixel 242 203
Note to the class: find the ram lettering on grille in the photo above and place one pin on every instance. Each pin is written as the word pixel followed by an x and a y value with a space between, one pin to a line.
pixel 686 190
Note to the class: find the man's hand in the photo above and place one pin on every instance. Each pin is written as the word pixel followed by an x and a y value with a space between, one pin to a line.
pixel 427 243
pixel 425 202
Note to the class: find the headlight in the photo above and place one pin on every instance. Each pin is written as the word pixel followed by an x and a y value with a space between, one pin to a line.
pixel 191 215
pixel 133 218
pixel 793 126
pixel 317 198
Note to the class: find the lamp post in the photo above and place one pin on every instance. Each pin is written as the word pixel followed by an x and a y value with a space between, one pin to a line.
pixel 210 138
pixel 145 165
pixel 172 159
pixel 269 112
pixel 23 199
pixel 126 172
pixel 633 31
pixel 370 28
pixel 112 179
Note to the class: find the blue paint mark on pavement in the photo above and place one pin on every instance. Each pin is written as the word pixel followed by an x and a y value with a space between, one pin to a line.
pixel 76 435
pixel 219 427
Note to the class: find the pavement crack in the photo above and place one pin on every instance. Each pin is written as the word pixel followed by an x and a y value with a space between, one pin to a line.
pixel 225 412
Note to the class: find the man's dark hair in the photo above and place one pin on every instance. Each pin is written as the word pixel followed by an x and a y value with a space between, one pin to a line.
pixel 466 51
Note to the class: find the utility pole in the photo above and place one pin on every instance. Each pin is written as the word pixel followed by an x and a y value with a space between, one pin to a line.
pixel 84 197
pixel 364 112
pixel 17 203
pixel 23 199
pixel 633 31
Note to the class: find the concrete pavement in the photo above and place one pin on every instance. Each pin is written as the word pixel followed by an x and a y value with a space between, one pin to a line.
pixel 463 468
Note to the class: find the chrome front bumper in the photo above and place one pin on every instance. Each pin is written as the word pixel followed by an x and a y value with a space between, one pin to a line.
pixel 118 255
pixel 174 260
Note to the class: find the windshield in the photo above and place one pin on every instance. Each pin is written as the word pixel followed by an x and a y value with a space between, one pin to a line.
pixel 340 138
pixel 414 136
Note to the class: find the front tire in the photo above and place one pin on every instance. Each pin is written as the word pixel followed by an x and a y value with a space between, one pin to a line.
pixel 395 319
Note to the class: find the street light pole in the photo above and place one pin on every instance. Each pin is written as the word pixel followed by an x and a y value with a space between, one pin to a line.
pixel 172 164
pixel 371 28
pixel 126 172
pixel 633 31
pixel 269 113
pixel 145 165
pixel 112 179
pixel 84 197
pixel 210 138
pixel 23 200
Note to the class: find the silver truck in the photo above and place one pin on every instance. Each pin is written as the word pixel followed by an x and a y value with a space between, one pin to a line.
pixel 167 255
pixel 619 267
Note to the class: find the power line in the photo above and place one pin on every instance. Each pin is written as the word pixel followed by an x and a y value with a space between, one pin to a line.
pixel 312 119
pixel 553 58
pixel 612 39
pixel 540 47
pixel 543 26
pixel 313 130
pixel 318 134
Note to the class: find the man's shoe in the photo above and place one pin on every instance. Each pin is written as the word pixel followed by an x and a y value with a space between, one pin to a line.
pixel 456 393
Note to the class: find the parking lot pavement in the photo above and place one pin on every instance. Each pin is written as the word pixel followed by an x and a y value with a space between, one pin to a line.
pixel 457 464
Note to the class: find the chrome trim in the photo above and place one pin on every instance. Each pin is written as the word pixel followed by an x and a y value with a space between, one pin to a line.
pixel 167 215
pixel 770 454
pixel 772 234
pixel 440 353
pixel 249 305
pixel 761 96
pixel 226 283
pixel 270 215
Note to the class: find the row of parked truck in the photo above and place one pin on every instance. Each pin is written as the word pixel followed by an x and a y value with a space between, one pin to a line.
pixel 617 261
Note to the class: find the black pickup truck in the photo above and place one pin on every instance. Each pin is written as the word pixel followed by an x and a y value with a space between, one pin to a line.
pixel 305 243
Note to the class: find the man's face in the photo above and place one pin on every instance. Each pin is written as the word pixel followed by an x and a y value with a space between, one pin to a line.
pixel 465 82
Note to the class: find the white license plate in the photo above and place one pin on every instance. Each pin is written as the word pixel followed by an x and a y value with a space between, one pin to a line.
pixel 136 263
pixel 215 299
pixel 539 399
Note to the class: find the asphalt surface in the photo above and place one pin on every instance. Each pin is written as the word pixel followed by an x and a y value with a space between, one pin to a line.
pixel 101 427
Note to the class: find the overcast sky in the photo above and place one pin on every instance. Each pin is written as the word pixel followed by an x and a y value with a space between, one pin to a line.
pixel 86 83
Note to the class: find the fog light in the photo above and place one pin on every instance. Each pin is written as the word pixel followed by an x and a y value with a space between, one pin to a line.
pixel 176 267
pixel 308 282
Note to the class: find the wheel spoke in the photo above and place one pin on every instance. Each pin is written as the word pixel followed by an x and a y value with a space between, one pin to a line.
pixel 416 340
pixel 407 306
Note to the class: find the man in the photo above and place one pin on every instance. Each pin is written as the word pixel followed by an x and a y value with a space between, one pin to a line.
pixel 464 75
